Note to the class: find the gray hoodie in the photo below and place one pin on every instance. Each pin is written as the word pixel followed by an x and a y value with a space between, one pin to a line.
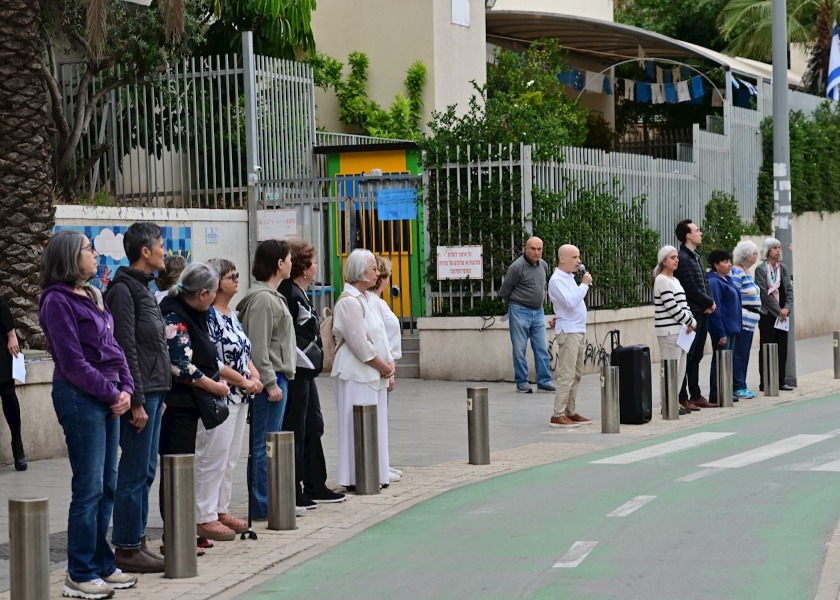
pixel 265 316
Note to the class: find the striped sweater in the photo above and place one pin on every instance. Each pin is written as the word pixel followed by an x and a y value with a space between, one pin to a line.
pixel 750 298
pixel 671 307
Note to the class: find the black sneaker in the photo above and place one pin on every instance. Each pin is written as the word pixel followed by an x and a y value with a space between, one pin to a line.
pixel 326 496
pixel 306 502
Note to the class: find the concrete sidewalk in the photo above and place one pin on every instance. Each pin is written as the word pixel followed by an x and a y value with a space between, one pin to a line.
pixel 428 441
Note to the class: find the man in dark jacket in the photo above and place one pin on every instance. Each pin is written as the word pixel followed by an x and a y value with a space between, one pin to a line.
pixel 139 329
pixel 693 279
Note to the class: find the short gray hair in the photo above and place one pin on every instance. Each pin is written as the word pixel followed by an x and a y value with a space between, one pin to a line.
pixel 743 250
pixel 768 245
pixel 60 259
pixel 196 277
pixel 357 265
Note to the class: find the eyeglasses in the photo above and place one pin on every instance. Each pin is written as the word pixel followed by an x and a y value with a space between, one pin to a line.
pixel 234 277
pixel 88 248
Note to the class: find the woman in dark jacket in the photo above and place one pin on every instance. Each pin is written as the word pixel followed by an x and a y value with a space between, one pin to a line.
pixel 773 280
pixel 303 410
pixel 725 322
pixel 11 405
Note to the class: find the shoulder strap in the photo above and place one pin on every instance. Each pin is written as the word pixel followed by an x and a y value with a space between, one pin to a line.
pixel 358 298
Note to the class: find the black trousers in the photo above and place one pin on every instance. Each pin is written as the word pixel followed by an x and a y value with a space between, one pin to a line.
pixel 11 407
pixel 768 334
pixel 691 384
pixel 178 428
pixel 303 417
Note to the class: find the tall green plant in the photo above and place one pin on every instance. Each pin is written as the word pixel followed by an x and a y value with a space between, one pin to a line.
pixel 722 227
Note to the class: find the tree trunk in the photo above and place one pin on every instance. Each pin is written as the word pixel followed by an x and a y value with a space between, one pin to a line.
pixel 27 215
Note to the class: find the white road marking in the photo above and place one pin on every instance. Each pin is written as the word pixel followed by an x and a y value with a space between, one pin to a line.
pixel 575 555
pixel 833 467
pixel 696 475
pixel 689 441
pixel 767 452
pixel 835 432
pixel 631 506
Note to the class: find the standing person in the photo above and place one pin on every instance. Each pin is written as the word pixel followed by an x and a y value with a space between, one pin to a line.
pixel 11 405
pixel 194 362
pixel 217 450
pixel 139 330
pixel 363 365
pixel 173 266
pixel 91 386
pixel 303 410
pixel 699 297
pixel 773 280
pixel 567 298
pixel 268 324
pixel 725 322
pixel 523 290
pixel 744 257
pixel 671 310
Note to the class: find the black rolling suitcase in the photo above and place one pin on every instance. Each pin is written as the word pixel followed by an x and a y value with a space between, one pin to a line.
pixel 634 385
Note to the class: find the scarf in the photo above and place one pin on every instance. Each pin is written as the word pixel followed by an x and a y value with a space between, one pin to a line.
pixel 774 280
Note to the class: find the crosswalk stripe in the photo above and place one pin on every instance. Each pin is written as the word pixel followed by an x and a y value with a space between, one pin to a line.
pixel 833 467
pixel 689 441
pixel 767 452
pixel 696 475
pixel 575 555
pixel 631 506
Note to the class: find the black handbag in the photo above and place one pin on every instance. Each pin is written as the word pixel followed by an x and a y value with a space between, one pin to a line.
pixel 213 410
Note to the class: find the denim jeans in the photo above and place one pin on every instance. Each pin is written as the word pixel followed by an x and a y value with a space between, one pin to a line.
pixel 729 345
pixel 267 417
pixel 138 466
pixel 741 358
pixel 92 436
pixel 529 323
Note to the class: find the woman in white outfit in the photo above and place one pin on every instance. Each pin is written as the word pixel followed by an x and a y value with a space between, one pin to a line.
pixel 364 366
pixel 671 310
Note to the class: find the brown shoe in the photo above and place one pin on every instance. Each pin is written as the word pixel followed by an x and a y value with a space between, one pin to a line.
pixel 703 403
pixel 137 561
pixel 579 419
pixel 144 548
pixel 563 421
pixel 215 531
pixel 689 405
pixel 238 525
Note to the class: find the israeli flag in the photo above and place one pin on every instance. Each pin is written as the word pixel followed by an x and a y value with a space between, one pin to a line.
pixel 833 88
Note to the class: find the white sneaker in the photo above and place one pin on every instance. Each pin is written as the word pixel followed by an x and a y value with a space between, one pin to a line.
pixel 299 511
pixel 94 589
pixel 120 581
pixel 396 472
pixel 393 477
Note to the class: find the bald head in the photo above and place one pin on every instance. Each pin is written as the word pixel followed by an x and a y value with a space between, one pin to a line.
pixel 568 258
pixel 534 249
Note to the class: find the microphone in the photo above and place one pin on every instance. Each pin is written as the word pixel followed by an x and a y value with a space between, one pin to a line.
pixel 581 268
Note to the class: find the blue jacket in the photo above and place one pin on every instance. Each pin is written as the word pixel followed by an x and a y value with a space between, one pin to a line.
pixel 726 319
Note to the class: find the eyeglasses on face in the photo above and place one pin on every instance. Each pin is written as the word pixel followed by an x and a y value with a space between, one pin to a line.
pixel 234 277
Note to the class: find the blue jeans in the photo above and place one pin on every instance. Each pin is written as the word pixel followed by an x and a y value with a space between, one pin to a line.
pixel 138 466
pixel 529 323
pixel 741 358
pixel 267 417
pixel 729 345
pixel 92 436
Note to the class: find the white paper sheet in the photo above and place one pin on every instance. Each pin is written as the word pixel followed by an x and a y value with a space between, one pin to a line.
pixel 19 368
pixel 783 325
pixel 685 339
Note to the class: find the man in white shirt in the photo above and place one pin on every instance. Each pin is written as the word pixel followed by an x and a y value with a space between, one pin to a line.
pixel 569 334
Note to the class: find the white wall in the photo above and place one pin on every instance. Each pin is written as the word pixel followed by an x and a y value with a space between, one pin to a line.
pixel 594 9
pixel 459 53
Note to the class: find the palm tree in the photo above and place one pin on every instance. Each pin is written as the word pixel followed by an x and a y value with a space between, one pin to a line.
pixel 747 27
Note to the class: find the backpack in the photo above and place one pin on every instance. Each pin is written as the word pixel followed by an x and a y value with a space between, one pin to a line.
pixel 330 347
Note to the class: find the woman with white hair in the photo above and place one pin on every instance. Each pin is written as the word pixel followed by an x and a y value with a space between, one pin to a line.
pixel 671 312
pixel 776 291
pixel 363 364
pixel 744 257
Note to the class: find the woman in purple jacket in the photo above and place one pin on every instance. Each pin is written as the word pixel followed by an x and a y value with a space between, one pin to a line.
pixel 92 386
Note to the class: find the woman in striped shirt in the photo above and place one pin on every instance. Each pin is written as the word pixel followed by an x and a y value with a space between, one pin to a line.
pixel 672 311
pixel 743 258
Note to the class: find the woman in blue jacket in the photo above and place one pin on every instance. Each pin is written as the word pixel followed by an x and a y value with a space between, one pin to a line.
pixel 725 322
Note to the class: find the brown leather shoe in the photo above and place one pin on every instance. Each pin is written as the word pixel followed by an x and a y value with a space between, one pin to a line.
pixel 703 403
pixel 137 561
pixel 579 419
pixel 689 406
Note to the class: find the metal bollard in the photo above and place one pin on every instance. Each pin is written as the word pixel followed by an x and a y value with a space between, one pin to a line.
pixel 478 426
pixel 669 388
pixel 366 442
pixel 770 364
pixel 610 412
pixel 837 355
pixel 29 548
pixel 724 378
pixel 280 457
pixel 178 480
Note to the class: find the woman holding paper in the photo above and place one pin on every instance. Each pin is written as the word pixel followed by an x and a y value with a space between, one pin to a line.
pixel 773 281
pixel 672 313
pixel 11 406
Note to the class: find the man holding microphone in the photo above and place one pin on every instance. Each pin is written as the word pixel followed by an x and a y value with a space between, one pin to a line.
pixel 569 333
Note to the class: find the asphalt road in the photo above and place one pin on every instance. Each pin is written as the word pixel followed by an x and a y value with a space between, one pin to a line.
pixel 740 509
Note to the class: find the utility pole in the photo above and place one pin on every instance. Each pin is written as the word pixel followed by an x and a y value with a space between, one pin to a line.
pixel 782 210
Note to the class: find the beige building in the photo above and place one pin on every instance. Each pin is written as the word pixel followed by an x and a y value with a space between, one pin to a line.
pixel 594 9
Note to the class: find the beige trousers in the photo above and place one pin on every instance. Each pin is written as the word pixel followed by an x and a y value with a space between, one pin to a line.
pixel 568 354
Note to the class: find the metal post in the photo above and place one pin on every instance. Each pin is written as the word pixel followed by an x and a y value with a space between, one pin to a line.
pixel 366 442
pixel 837 355
pixel 252 168
pixel 724 378
pixel 770 364
pixel 178 480
pixel 610 412
pixel 669 388
pixel 280 456
pixel 478 426
pixel 29 548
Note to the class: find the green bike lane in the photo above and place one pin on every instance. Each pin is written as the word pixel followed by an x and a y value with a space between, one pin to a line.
pixel 753 532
